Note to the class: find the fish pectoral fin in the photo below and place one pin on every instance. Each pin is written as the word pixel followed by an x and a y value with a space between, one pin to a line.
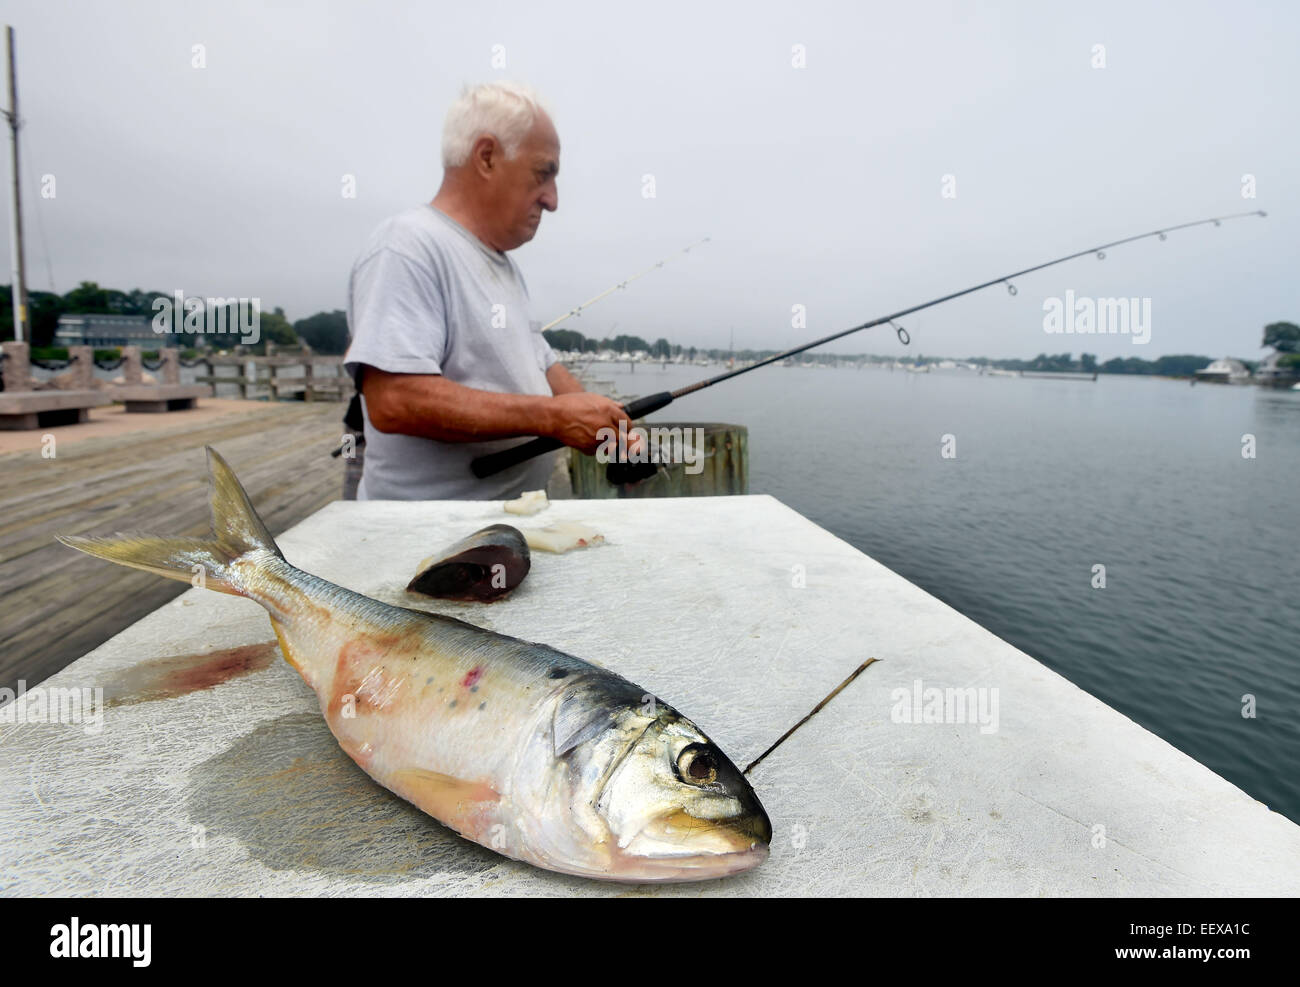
pixel 452 800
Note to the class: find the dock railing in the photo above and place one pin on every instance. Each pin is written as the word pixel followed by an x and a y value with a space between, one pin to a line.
pixel 318 377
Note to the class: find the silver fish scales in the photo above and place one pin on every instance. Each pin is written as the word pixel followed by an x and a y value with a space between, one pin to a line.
pixel 531 752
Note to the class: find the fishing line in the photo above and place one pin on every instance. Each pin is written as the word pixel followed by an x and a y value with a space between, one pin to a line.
pixel 622 284
pixel 353 417
pixel 496 462
pixel 815 710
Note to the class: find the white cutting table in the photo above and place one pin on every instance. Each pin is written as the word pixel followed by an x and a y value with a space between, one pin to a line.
pixel 238 788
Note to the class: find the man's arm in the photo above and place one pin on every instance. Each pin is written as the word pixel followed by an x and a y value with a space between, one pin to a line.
pixel 561 381
pixel 433 407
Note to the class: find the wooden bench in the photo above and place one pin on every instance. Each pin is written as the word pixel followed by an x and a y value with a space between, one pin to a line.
pixel 45 409
pixel 160 397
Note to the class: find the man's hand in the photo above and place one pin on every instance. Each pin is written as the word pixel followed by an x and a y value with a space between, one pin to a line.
pixel 577 419
pixel 433 407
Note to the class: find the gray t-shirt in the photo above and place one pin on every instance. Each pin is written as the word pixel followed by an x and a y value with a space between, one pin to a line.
pixel 426 296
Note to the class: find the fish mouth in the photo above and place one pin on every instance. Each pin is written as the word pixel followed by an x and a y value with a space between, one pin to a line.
pixel 676 846
pixel 728 834
pixel 632 868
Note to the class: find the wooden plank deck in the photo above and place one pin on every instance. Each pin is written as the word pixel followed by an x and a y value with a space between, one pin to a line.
pixel 57 604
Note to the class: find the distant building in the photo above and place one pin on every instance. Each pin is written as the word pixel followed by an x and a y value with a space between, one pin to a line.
pixel 107 330
pixel 1271 375
pixel 1224 371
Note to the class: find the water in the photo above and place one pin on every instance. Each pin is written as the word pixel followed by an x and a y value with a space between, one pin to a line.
pixel 1051 478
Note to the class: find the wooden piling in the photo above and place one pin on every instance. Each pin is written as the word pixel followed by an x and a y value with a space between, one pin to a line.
pixel 722 470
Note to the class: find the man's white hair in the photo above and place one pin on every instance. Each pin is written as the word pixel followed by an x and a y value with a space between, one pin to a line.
pixel 506 110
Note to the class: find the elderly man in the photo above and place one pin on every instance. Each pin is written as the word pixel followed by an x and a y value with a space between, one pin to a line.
pixel 443 352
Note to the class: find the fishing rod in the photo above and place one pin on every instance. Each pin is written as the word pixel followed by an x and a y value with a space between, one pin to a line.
pixel 353 417
pixel 495 462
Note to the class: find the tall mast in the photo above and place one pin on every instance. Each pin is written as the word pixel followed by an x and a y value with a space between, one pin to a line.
pixel 19 284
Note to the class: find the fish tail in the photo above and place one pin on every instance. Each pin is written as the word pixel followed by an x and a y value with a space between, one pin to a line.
pixel 237 531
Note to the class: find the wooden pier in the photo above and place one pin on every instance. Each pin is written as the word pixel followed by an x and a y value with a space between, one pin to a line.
pixel 58 604
pixel 1040 793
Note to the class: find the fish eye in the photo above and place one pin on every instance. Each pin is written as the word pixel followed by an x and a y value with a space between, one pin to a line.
pixel 696 765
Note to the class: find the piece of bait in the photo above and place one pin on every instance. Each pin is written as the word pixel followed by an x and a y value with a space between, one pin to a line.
pixel 530 503
pixel 484 566
pixel 563 536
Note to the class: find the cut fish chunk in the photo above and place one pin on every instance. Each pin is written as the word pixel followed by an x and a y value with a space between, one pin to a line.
pixel 563 536
pixel 530 503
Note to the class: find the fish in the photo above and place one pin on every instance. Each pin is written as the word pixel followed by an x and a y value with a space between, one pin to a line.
pixel 484 566
pixel 531 502
pixel 533 753
pixel 562 536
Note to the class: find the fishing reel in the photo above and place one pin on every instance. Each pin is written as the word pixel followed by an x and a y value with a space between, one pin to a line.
pixel 625 474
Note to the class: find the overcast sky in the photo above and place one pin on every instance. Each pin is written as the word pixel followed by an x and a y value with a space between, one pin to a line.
pixel 819 185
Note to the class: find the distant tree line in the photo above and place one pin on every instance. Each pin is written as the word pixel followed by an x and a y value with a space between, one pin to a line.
pixel 575 342
pixel 1176 365
pixel 324 332
pixel 1283 336
pixel 327 332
